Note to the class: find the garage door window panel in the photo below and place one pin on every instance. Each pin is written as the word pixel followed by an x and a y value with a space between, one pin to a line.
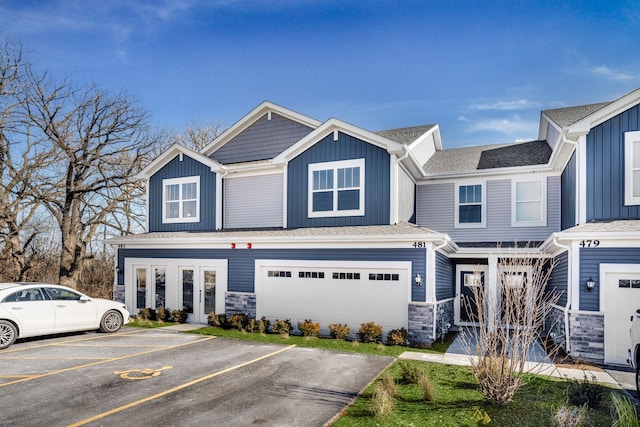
pixel 336 188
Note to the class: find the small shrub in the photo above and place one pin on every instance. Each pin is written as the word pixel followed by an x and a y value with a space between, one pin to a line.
pixel 410 373
pixel 585 391
pixel 218 320
pixel 370 332
pixel 397 337
pixel 179 316
pixel 282 327
pixel 239 321
pixel 623 411
pixel 389 383
pixel 147 314
pixel 261 325
pixel 309 328
pixel 339 331
pixel 382 402
pixel 163 314
pixel 570 416
pixel 426 387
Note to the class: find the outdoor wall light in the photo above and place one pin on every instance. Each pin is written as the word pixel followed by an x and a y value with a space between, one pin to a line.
pixel 418 280
pixel 590 284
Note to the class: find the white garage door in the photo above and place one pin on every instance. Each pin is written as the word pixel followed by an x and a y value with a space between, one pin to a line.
pixel 334 292
pixel 622 299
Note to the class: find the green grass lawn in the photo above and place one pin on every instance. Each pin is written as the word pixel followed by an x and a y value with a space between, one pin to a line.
pixel 324 343
pixel 457 394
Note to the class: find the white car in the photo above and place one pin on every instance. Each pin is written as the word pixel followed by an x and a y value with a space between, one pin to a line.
pixel 34 309
pixel 634 352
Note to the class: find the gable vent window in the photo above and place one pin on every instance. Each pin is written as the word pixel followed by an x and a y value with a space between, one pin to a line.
pixel 470 206
pixel 632 168
pixel 181 200
pixel 336 189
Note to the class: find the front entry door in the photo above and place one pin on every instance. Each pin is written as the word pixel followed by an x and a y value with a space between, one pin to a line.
pixel 199 292
pixel 470 283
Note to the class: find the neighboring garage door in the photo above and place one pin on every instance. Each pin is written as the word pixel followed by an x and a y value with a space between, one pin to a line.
pixel 334 292
pixel 622 299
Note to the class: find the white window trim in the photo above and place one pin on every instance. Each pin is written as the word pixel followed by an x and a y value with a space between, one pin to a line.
pixel 629 139
pixel 542 222
pixel 180 181
pixel 335 166
pixel 483 212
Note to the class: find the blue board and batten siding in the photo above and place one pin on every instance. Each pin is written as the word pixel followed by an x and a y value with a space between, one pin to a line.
pixel 606 167
pixel 377 183
pixel 263 140
pixel 559 279
pixel 241 263
pixel 177 168
pixel 568 194
pixel 590 260
pixel 445 279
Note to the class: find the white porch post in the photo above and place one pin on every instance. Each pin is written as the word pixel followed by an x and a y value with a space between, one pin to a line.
pixel 491 289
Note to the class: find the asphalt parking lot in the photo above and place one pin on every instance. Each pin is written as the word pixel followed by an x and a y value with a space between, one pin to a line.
pixel 153 377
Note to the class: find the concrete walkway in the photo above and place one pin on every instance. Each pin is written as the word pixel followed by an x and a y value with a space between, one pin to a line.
pixel 538 361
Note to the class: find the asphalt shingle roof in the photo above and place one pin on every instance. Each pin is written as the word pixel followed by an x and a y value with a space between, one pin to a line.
pixel 609 226
pixel 489 157
pixel 405 135
pixel 402 229
pixel 569 115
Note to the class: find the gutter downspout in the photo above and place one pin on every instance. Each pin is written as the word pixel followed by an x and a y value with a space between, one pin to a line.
pixel 569 294
pixel 219 196
pixel 445 242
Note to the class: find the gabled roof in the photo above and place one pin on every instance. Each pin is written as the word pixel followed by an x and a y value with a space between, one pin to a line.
pixel 581 119
pixel 335 125
pixel 483 157
pixel 569 115
pixel 406 135
pixel 170 154
pixel 265 108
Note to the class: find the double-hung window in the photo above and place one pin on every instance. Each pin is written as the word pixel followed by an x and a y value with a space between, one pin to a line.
pixel 632 168
pixel 336 189
pixel 528 207
pixel 181 199
pixel 470 205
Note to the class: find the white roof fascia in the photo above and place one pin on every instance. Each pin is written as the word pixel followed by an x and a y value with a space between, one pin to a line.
pixel 170 154
pixel 583 126
pixel 253 116
pixel 331 125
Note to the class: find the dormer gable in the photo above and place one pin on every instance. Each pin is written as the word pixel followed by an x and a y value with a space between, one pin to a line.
pixel 262 134
pixel 174 151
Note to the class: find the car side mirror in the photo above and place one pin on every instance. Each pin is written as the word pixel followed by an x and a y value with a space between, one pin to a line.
pixel 84 299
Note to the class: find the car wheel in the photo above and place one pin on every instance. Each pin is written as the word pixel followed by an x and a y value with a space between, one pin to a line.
pixel 8 333
pixel 111 321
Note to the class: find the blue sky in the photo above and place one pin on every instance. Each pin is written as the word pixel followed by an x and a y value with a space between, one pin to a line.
pixel 482 70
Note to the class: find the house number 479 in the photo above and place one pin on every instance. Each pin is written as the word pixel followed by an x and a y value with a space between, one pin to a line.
pixel 590 243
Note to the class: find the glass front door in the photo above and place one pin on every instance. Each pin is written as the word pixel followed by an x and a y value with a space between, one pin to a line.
pixel 208 292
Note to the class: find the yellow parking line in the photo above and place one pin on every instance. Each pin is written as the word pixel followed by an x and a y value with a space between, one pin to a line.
pixel 177 388
pixel 52 358
pixel 119 334
pixel 113 359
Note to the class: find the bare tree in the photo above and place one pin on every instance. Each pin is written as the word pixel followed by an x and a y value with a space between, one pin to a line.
pixel 196 136
pixel 99 142
pixel 509 318
pixel 21 157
